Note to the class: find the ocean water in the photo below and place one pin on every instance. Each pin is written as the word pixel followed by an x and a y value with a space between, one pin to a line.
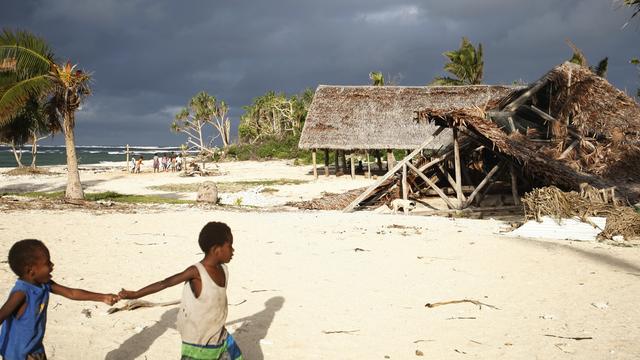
pixel 55 155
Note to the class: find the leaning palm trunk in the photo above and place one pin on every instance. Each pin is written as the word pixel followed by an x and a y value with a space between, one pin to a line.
pixel 74 187
pixel 17 153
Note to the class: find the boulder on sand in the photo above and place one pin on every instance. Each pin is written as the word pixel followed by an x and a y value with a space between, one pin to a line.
pixel 208 192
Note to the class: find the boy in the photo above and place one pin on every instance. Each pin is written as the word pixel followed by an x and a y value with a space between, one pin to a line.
pixel 203 309
pixel 24 314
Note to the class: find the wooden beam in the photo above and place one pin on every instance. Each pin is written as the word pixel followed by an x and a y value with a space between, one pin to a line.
pixel 568 149
pixel 432 185
pixel 313 159
pixel 514 185
pixel 326 162
pixel 389 173
pixel 337 162
pixel 482 184
pixel 451 181
pixel 572 132
pixel 512 106
pixel 456 153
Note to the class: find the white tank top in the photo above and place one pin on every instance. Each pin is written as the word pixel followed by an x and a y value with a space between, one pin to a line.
pixel 201 320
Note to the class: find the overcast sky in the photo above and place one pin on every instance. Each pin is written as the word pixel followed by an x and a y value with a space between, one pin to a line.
pixel 149 57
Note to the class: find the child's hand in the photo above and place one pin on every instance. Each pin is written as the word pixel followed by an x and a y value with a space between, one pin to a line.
pixel 110 299
pixel 126 294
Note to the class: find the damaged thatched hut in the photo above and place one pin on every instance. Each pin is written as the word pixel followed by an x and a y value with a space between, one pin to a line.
pixel 568 128
pixel 369 118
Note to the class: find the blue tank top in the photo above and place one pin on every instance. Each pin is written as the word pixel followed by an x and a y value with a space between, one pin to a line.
pixel 23 336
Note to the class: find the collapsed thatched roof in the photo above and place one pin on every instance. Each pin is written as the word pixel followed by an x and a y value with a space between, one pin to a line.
pixel 593 105
pixel 383 117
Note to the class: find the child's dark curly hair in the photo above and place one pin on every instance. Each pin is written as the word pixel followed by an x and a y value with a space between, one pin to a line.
pixel 23 253
pixel 214 234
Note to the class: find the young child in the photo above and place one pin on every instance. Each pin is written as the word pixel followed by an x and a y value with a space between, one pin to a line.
pixel 24 314
pixel 203 309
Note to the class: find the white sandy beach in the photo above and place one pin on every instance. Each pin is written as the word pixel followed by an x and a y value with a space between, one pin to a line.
pixel 325 284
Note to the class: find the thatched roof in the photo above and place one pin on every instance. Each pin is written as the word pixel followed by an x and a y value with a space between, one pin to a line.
pixel 593 105
pixel 383 117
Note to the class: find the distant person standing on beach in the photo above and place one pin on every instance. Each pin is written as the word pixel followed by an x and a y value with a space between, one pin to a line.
pixel 156 163
pixel 139 164
pixel 179 163
pixel 165 162
pixel 133 163
pixel 173 163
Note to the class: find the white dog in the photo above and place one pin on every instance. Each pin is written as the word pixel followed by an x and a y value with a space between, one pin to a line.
pixel 407 205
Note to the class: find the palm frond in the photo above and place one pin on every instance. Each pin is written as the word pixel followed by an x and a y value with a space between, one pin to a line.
pixel 31 55
pixel 14 98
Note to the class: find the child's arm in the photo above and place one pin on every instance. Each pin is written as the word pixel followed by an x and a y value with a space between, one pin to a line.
pixel 13 303
pixel 83 295
pixel 190 273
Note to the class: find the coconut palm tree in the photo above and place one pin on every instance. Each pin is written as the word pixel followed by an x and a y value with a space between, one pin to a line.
pixel 29 69
pixel 466 64
pixel 377 79
pixel 635 4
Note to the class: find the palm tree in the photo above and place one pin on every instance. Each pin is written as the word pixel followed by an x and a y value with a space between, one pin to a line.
pixel 578 58
pixel 635 4
pixel 32 71
pixel 466 64
pixel 377 79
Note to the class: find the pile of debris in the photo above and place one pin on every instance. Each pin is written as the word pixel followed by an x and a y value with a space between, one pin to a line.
pixel 550 201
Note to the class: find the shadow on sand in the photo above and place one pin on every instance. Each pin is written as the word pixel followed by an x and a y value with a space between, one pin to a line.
pixel 253 329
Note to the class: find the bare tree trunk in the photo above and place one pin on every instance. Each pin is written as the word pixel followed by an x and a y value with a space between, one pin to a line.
pixel 34 149
pixel 74 187
pixel 16 155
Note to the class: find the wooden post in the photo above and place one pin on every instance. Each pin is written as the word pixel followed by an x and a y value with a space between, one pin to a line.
pixel 390 159
pixel 353 164
pixel 326 162
pixel 127 164
pixel 432 185
pixel 456 154
pixel 313 159
pixel 482 184
pixel 368 166
pixel 343 156
pixel 337 162
pixel 514 185
pixel 389 173
pixel 405 187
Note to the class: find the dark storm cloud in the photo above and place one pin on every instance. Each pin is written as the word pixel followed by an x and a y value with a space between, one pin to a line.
pixel 149 57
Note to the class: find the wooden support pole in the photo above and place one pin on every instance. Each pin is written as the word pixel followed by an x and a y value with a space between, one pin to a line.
pixel 368 166
pixel 526 95
pixel 405 186
pixel 389 173
pixel 482 184
pixel 456 153
pixel 432 185
pixel 343 157
pixel 337 162
pixel 352 157
pixel 313 159
pixel 390 159
pixel 326 162
pixel 514 185
pixel 451 181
